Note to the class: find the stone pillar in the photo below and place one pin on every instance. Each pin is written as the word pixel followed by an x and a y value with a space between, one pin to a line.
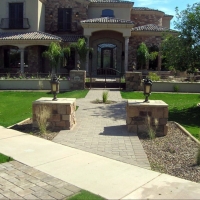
pixel 141 116
pixel 126 54
pixel 133 81
pixel 22 60
pixel 61 112
pixel 87 57
pixel 77 79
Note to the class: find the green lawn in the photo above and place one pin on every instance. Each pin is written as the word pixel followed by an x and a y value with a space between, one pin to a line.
pixel 4 158
pixel 182 108
pixel 17 106
pixel 85 195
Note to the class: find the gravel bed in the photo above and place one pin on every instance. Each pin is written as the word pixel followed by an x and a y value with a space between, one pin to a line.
pixel 174 154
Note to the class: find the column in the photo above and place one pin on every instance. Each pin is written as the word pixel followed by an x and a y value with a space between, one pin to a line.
pixel 87 57
pixel 22 60
pixel 159 61
pixel 126 54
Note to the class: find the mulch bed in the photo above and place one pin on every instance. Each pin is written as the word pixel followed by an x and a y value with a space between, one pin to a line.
pixel 26 127
pixel 173 154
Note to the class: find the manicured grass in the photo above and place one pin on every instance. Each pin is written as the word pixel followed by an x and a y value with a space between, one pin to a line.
pixel 182 108
pixel 4 158
pixel 85 195
pixel 17 106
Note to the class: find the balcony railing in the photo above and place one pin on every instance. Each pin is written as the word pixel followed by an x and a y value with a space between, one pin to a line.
pixel 9 23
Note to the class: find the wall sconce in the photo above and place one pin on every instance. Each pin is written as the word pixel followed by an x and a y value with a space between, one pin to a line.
pixel 78 64
pixel 77 14
pixel 51 14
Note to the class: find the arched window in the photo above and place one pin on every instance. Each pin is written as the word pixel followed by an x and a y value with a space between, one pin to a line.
pixel 107 13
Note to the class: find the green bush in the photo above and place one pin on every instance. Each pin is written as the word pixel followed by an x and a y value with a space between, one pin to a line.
pixel 154 76
pixel 176 88
pixel 105 96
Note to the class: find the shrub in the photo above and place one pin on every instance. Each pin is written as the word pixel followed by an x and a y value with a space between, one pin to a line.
pixel 151 131
pixel 105 96
pixel 176 88
pixel 154 76
pixel 42 115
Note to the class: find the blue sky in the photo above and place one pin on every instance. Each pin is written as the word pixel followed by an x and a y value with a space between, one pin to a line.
pixel 167 6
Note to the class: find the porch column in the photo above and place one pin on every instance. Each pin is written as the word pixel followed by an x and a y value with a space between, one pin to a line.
pixel 87 57
pixel 126 54
pixel 22 60
pixel 159 61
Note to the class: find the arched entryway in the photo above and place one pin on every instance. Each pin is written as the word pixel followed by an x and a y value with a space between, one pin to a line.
pixel 108 52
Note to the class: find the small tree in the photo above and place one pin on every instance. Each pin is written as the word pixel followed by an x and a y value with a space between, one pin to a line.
pixel 182 50
pixel 143 54
pixel 55 53
pixel 82 49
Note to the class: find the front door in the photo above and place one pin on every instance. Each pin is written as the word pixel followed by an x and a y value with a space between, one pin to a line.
pixel 107 58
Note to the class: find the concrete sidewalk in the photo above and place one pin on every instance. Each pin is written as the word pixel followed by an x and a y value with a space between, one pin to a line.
pixel 109 178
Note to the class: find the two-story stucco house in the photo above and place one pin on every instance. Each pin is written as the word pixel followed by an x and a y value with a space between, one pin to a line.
pixel 113 28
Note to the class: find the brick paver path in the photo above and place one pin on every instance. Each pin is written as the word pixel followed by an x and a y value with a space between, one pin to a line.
pixel 19 181
pixel 101 129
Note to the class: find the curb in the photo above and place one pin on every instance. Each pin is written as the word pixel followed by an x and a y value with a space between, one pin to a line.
pixel 187 133
pixel 18 123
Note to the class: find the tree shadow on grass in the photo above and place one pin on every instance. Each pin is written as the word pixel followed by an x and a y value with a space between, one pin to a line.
pixel 186 117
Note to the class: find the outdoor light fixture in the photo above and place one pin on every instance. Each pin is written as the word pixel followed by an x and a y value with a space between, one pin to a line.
pixel 51 14
pixel 147 89
pixel 77 14
pixel 78 64
pixel 54 87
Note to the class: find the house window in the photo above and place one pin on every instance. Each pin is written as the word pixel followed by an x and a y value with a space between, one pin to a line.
pixel 64 19
pixel 16 15
pixel 107 13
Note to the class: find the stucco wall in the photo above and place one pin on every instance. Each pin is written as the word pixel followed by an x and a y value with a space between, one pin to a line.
pixel 122 13
pixel 32 10
pixel 41 16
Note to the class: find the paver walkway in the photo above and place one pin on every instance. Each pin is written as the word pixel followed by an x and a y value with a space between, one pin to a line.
pixel 101 129
pixel 19 181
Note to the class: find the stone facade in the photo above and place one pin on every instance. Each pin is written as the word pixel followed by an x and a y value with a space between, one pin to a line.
pixel 51 15
pixel 135 41
pixel 77 79
pixel 138 111
pixel 62 112
pixel 85 19
pixel 143 19
pixel 133 81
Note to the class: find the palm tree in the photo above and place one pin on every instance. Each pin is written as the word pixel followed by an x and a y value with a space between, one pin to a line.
pixel 55 53
pixel 82 49
pixel 143 55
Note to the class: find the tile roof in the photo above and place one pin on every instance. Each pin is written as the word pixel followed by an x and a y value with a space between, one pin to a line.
pixel 166 15
pixel 152 27
pixel 110 20
pixel 110 1
pixel 145 8
pixel 71 38
pixel 36 35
